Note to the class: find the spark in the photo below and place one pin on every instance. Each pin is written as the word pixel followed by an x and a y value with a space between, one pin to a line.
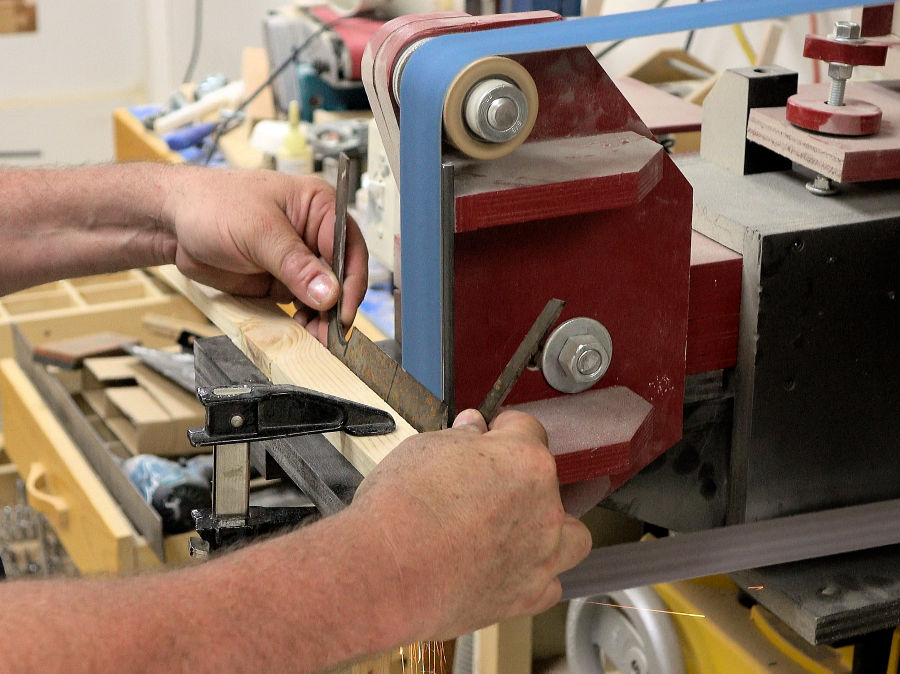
pixel 757 587
pixel 651 610
pixel 426 657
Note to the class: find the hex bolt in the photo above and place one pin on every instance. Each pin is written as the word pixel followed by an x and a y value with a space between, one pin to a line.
pixel 584 358
pixel 589 362
pixel 496 110
pixel 821 186
pixel 844 31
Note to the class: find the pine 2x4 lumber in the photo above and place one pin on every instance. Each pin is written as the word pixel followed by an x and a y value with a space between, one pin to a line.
pixel 287 354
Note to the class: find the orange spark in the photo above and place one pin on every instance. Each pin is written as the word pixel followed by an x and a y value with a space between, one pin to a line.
pixel 757 587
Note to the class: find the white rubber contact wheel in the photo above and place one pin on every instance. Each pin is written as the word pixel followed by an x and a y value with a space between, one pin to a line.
pixel 634 641
pixel 455 127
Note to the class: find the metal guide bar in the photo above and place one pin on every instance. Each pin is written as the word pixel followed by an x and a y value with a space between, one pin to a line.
pixel 524 354
pixel 735 548
pixel 403 392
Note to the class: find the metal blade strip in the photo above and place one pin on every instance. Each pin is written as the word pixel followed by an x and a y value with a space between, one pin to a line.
pixel 735 548
pixel 525 352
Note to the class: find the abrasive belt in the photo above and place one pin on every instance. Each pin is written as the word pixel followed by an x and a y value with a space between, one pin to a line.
pixel 734 548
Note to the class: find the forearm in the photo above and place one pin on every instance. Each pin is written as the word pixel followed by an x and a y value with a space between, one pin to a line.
pixel 61 223
pixel 303 602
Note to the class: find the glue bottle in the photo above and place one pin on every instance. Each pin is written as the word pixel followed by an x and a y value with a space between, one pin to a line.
pixel 295 155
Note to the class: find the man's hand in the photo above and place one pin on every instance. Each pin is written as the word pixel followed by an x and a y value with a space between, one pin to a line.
pixel 261 233
pixel 475 522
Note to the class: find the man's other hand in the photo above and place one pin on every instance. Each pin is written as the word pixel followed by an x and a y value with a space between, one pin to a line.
pixel 475 522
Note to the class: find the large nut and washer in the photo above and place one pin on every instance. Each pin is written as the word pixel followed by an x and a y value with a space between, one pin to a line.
pixel 576 355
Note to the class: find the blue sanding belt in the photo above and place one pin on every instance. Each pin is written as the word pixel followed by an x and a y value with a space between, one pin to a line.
pixel 426 78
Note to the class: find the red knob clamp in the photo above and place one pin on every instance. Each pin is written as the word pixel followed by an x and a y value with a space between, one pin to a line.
pixel 839 115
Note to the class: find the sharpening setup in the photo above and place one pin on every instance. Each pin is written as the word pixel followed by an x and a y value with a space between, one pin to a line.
pixel 711 339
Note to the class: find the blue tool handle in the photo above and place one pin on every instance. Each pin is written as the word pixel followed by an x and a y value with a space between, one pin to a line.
pixel 189 136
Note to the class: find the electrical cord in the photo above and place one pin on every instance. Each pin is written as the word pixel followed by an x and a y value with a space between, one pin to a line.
pixel 195 48
pixel 234 119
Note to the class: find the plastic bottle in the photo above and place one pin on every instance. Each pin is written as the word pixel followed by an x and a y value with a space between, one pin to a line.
pixel 295 155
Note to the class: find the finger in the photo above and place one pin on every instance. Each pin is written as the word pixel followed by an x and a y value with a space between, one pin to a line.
pixel 318 327
pixel 519 422
pixel 304 314
pixel 279 250
pixel 470 420
pixel 356 272
pixel 280 292
pixel 575 543
pixel 549 598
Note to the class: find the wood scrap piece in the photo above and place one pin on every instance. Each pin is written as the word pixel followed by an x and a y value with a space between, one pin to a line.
pixel 98 373
pixel 288 354
pixel 184 408
pixel 173 327
pixel 70 353
pixel 142 425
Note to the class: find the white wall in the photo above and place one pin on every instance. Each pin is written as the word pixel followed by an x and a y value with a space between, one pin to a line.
pixel 81 48
pixel 59 85
pixel 228 26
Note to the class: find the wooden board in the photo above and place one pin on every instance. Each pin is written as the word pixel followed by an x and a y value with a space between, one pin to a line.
pixel 845 159
pixel 715 303
pixel 70 353
pixel 288 354
pixel 662 112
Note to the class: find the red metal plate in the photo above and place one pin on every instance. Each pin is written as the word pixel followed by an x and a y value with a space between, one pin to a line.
pixel 854 118
pixel 852 53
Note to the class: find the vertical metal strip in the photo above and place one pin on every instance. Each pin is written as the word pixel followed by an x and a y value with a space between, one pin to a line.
pixel 231 480
pixel 448 234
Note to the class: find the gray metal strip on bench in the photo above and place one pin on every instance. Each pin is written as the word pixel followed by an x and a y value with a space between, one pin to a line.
pixel 141 514
pixel 734 548
pixel 310 461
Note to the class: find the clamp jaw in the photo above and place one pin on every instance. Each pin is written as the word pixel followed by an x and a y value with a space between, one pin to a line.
pixel 239 414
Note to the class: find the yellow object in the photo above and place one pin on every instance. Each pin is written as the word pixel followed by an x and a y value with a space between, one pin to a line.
pixel 730 639
pixel 295 155
pixel 744 42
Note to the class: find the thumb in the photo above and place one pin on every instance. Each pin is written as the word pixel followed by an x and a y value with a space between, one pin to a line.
pixel 470 420
pixel 282 253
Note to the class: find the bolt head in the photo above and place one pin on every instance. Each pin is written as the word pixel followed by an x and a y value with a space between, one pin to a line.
pixel 237 421
pixel 840 71
pixel 847 30
pixel 502 114
pixel 584 358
